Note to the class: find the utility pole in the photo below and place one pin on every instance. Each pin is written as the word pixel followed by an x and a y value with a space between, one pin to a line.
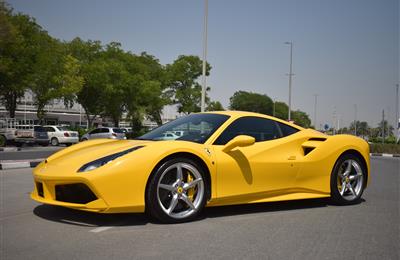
pixel 397 121
pixel 355 119
pixel 315 111
pixel 290 79
pixel 273 113
pixel 334 120
pixel 383 126
pixel 204 80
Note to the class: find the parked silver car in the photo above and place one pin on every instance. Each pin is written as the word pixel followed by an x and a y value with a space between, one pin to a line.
pixel 104 132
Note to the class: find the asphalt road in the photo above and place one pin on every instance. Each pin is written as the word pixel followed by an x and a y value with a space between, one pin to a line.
pixel 308 229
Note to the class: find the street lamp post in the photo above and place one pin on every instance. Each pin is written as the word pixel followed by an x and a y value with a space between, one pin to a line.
pixel 273 113
pixel 290 79
pixel 315 110
pixel 355 119
pixel 204 80
pixel 383 126
pixel 397 123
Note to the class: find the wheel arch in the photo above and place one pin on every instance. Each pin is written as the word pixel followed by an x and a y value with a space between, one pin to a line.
pixel 186 155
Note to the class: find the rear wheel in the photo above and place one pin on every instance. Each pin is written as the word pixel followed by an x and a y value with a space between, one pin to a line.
pixel 54 141
pixel 348 180
pixel 176 192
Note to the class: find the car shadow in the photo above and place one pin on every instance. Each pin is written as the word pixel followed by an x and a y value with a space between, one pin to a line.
pixel 90 219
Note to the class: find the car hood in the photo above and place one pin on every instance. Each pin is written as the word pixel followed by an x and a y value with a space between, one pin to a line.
pixel 84 152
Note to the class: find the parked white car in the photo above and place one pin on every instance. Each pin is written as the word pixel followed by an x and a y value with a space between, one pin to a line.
pixel 61 135
pixel 104 132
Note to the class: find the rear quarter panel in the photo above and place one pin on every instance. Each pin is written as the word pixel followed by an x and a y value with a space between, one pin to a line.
pixel 316 167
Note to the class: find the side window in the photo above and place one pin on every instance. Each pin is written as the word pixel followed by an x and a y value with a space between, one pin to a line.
pixel 105 130
pixel 261 129
pixel 49 129
pixel 95 131
pixel 287 129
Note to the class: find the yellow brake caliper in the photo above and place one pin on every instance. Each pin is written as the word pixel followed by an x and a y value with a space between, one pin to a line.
pixel 190 192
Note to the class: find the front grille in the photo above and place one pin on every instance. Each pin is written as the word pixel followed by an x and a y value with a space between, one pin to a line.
pixel 74 193
pixel 39 187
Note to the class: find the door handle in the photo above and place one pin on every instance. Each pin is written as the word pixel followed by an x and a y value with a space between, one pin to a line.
pixel 292 158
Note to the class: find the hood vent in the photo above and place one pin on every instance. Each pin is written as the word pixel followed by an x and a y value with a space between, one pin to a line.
pixel 319 139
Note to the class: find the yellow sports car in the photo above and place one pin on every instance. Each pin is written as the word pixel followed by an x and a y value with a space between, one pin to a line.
pixel 215 158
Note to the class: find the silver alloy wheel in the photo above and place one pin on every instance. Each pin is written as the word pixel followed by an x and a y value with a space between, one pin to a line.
pixel 350 180
pixel 180 190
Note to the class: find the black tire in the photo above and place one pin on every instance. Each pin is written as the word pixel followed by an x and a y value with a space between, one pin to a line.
pixel 54 141
pixel 336 197
pixel 153 207
pixel 84 139
pixel 44 144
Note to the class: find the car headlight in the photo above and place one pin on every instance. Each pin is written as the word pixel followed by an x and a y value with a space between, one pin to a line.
pixel 102 161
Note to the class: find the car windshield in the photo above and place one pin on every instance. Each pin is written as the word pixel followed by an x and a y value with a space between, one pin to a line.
pixel 195 128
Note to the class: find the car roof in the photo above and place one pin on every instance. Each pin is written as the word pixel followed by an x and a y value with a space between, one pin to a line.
pixel 236 114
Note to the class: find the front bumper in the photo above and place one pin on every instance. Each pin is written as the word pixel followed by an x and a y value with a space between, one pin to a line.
pixel 47 191
pixel 103 190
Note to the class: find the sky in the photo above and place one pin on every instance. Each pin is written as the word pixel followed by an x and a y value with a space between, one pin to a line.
pixel 346 51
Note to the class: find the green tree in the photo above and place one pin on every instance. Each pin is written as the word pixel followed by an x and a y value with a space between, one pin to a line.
pixel 182 77
pixel 92 93
pixel 55 75
pixel 215 106
pixel 301 118
pixel 19 51
pixel 362 128
pixel 253 102
pixel 281 110
pixel 147 94
pixel 386 127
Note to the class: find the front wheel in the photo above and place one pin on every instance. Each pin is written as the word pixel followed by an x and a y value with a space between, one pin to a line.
pixel 348 180
pixel 176 191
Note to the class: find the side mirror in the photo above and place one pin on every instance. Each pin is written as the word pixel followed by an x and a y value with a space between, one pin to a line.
pixel 239 141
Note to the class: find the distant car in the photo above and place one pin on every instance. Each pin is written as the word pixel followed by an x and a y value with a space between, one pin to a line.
pixel 61 135
pixel 104 132
pixel 31 135
pixel 168 136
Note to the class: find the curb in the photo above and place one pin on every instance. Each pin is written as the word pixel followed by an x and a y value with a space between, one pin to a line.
pixel 10 164
pixel 385 155
pixel 10 149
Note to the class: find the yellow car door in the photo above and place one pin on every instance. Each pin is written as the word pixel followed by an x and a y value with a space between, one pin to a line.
pixel 256 171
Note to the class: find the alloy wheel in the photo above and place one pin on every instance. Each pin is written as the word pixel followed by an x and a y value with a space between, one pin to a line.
pixel 180 190
pixel 350 180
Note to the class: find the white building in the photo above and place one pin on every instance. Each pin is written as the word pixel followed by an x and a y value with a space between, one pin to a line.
pixel 58 114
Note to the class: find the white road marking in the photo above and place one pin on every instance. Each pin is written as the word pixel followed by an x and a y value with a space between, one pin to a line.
pixel 100 229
